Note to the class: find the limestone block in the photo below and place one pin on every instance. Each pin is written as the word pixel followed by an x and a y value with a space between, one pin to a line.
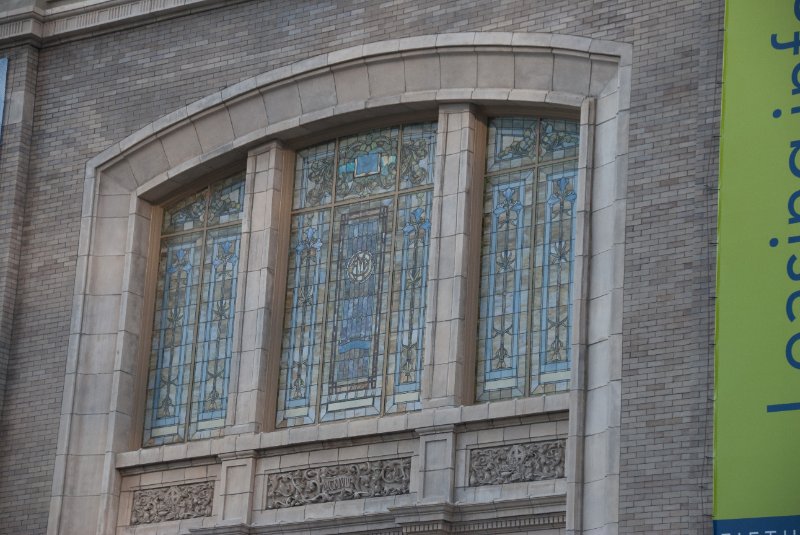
pixel 148 161
pixel 214 129
pixel 495 70
pixel 458 70
pixel 604 76
pixel 113 205
pixel 93 393
pixel 100 314
pixel 282 102
pixel 601 270
pixel 248 114
pixel 80 508
pixel 605 146
pixel 571 74
pixel 385 78
pixel 82 476
pixel 117 179
pixel 422 72
pixel 181 144
pixel 533 71
pixel 88 432
pixel 317 92
pixel 602 229
pixel 352 83
pixel 97 353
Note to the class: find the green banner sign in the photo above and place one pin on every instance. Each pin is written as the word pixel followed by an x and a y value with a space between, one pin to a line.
pixel 757 365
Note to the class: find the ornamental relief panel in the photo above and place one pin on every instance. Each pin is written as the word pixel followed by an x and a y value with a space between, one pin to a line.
pixel 516 463
pixel 177 502
pixel 369 479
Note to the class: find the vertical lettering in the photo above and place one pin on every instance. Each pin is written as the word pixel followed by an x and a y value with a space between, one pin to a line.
pixel 794 45
pixel 793 158
pixel 792 210
pixel 790 305
pixel 793 362
pixel 796 79
pixel 795 276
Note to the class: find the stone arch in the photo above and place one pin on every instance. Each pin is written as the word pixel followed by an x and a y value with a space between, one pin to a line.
pixel 325 91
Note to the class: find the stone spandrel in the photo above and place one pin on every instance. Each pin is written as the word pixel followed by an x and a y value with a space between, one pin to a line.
pixel 177 502
pixel 516 463
pixel 323 484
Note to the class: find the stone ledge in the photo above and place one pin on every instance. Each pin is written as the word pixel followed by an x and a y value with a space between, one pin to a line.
pixel 90 17
pixel 552 407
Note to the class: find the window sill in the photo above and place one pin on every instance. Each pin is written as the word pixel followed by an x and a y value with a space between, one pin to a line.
pixel 548 407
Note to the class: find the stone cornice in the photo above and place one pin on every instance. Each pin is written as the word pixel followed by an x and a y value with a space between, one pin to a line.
pixel 90 17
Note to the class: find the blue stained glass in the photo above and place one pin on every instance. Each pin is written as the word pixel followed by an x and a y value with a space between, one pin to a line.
pixel 355 302
pixel 303 337
pixel 215 339
pixel 173 338
pixel 192 339
pixel 408 325
pixel 358 304
pixel 556 323
pixel 525 315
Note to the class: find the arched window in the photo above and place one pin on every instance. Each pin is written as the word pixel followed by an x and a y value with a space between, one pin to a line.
pixel 527 257
pixel 354 319
pixel 192 336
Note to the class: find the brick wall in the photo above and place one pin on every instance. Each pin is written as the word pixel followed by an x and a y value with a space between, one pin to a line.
pixel 93 92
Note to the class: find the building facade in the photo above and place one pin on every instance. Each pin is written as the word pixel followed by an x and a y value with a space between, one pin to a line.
pixel 357 267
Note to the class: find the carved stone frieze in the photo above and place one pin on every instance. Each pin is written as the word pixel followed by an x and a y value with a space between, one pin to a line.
pixel 172 503
pixel 515 463
pixel 342 482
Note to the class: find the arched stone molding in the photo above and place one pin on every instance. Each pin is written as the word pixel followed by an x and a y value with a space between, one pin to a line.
pixel 249 122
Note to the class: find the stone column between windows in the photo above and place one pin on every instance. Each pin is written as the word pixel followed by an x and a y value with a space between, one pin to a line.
pixel 448 375
pixel 259 298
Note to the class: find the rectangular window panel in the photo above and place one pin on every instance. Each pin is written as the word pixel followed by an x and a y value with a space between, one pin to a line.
pixel 188 214
pixel 553 269
pixel 226 204
pixel 215 330
pixel 367 164
pixel 192 341
pixel 313 181
pixel 358 301
pixel 409 292
pixel 525 314
pixel 354 315
pixel 417 155
pixel 512 143
pixel 303 335
pixel 173 338
pixel 505 272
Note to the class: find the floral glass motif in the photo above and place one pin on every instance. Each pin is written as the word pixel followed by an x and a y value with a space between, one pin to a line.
pixel 527 258
pixel 358 265
pixel 190 353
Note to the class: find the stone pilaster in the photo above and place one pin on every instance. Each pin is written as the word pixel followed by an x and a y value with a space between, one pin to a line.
pixel 454 271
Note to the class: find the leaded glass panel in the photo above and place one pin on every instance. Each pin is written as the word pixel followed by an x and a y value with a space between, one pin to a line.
pixel 367 164
pixel 313 183
pixel 192 339
pixel 525 315
pixel 355 303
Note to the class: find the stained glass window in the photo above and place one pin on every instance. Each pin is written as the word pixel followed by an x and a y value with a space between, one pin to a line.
pixel 527 257
pixel 190 352
pixel 354 319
